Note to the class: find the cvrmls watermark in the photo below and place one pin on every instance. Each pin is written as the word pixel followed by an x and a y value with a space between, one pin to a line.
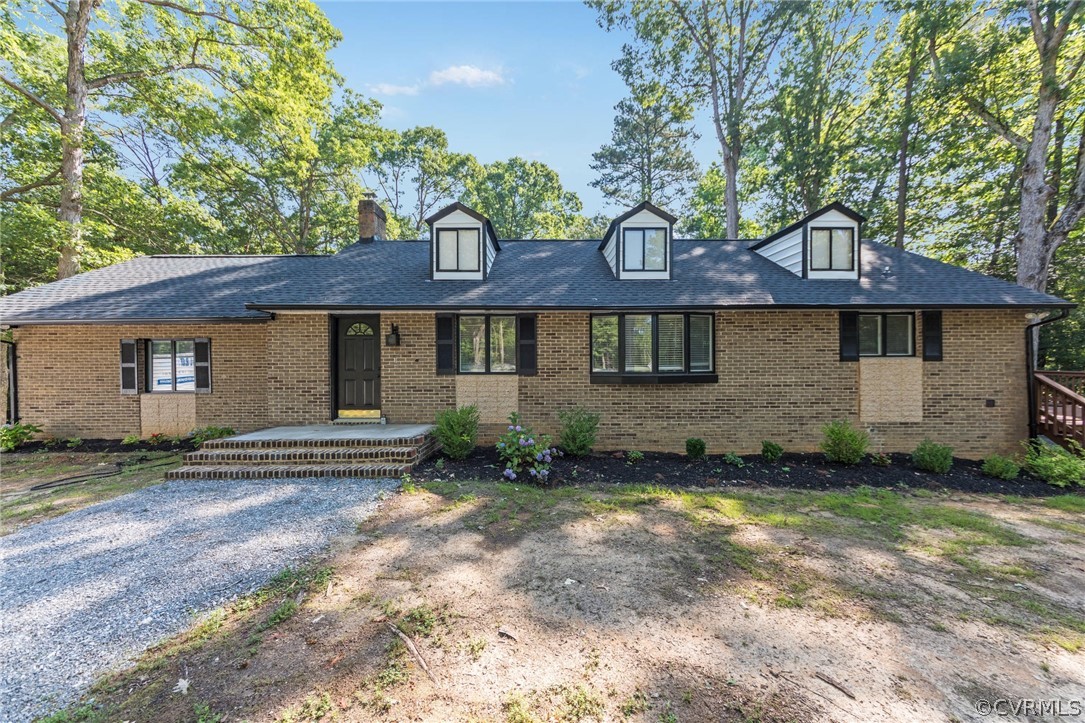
pixel 1029 707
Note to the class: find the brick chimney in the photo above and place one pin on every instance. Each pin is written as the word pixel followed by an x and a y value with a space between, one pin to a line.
pixel 371 218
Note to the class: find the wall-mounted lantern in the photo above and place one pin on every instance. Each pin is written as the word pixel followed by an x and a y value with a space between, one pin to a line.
pixel 392 339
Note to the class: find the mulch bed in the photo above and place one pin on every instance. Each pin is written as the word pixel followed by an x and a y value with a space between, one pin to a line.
pixel 794 471
pixel 107 445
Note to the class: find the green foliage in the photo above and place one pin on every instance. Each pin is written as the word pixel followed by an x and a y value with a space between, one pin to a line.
pixel 579 428
pixel 770 451
pixel 695 448
pixel 201 435
pixel 633 456
pixel 523 199
pixel 648 157
pixel 1055 465
pixel 73 442
pixel 1001 467
pixel 156 439
pixel 130 439
pixel 285 610
pixel 457 431
pixel 734 460
pixel 930 456
pixel 522 450
pixel 844 443
pixel 880 459
pixel 13 436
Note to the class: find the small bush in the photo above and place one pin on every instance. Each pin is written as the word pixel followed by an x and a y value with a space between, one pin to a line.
pixel 634 456
pixel 734 460
pixel 13 436
pixel 844 443
pixel 1055 465
pixel 1001 467
pixel 695 448
pixel 156 439
pixel 201 435
pixel 73 442
pixel 523 450
pixel 880 459
pixel 933 457
pixel 771 452
pixel 457 430
pixel 130 439
pixel 579 428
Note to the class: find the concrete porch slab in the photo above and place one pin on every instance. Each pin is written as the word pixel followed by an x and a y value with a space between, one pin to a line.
pixel 334 432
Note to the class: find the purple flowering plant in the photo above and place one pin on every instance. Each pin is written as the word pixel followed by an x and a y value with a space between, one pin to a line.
pixel 524 452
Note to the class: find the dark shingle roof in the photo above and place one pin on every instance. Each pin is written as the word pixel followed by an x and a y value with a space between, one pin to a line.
pixel 525 275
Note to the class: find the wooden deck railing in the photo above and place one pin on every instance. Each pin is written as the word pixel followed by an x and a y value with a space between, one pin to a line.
pixel 1060 407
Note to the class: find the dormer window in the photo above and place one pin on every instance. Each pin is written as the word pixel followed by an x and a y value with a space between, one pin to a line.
pixel 644 249
pixel 832 249
pixel 459 249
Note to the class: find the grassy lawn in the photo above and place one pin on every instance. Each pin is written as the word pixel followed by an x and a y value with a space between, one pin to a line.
pixel 643 603
pixel 20 505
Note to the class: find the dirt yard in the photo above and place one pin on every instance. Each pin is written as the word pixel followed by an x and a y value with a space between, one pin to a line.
pixel 20 472
pixel 645 604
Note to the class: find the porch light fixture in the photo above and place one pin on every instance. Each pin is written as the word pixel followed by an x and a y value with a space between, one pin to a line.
pixel 392 339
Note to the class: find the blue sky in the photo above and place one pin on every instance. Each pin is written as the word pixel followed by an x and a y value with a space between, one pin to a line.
pixel 502 79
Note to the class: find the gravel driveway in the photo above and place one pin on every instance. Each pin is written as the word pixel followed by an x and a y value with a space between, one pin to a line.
pixel 88 591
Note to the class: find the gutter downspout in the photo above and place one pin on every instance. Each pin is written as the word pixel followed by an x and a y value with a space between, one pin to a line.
pixel 1030 368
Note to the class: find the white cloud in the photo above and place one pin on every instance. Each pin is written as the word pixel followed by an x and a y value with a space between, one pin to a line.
pixel 469 75
pixel 393 89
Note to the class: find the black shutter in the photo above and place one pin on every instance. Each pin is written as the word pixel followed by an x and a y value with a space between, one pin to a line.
pixel 527 357
pixel 446 344
pixel 203 365
pixel 932 335
pixel 849 336
pixel 129 377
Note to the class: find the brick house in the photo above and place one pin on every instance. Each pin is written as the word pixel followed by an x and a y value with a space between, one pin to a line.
pixel 732 341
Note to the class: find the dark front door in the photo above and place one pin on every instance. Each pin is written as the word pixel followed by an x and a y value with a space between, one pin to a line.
pixel 358 386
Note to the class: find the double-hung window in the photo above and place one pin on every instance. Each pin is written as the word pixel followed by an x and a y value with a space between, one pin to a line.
pixel 644 249
pixel 658 347
pixel 178 365
pixel 459 249
pixel 886 335
pixel 487 344
pixel 832 249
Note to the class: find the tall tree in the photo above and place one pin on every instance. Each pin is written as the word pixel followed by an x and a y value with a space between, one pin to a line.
pixel 137 48
pixel 648 157
pixel 964 47
pixel 713 53
pixel 416 174
pixel 815 106
pixel 523 199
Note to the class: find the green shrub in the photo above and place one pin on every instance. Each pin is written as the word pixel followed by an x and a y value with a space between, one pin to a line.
pixel 880 459
pixel 844 443
pixel 579 428
pixel 73 442
pixel 1056 465
pixel 933 457
pixel 1001 467
pixel 695 448
pixel 522 450
pixel 201 435
pixel 734 460
pixel 771 452
pixel 130 439
pixel 634 456
pixel 156 439
pixel 13 436
pixel 457 430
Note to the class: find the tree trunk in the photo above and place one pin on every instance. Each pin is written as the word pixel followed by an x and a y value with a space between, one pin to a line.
pixel 1034 247
pixel 70 212
pixel 730 173
pixel 902 163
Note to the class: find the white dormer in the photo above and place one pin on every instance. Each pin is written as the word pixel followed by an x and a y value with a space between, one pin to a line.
pixel 463 244
pixel 637 244
pixel 824 245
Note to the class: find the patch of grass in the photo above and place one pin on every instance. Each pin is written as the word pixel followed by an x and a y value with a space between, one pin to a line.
pixel 82 714
pixel 204 714
pixel 395 669
pixel 285 610
pixel 578 704
pixel 1067 503
pixel 1060 525
pixel 517 710
pixel 316 706
pixel 475 646
pixel 418 622
pixel 636 703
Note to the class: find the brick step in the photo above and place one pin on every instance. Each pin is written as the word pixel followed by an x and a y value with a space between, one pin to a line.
pixel 303 455
pixel 271 471
pixel 421 440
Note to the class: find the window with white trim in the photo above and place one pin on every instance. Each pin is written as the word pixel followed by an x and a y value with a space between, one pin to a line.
pixel 832 249
pixel 459 249
pixel 644 249
pixel 178 365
